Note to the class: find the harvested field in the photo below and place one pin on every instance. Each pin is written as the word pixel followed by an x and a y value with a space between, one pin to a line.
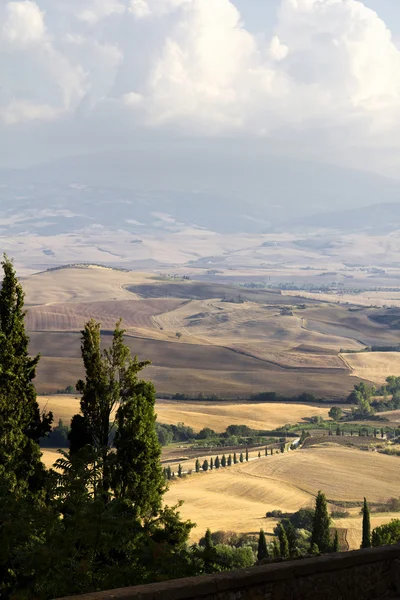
pixel 78 284
pixel 285 481
pixel 190 368
pixel 218 416
pixel 373 366
pixel 62 407
pixel 205 414
pixel 354 526
pixel 135 314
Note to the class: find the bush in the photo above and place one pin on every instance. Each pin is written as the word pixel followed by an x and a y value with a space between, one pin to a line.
pixel 340 514
pixel 387 534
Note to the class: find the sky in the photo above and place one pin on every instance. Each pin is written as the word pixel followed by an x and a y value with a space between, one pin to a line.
pixel 309 78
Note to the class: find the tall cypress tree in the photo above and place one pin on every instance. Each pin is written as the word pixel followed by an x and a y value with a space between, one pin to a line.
pixel 217 462
pixel 113 397
pixel 366 526
pixel 275 549
pixel 262 550
pixel 21 422
pixel 229 460
pixel 197 465
pixel 283 543
pixel 235 458
pixel 336 542
pixel 247 455
pixel 320 534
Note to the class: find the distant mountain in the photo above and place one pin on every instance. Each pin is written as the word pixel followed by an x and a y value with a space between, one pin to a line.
pixel 377 219
pixel 216 187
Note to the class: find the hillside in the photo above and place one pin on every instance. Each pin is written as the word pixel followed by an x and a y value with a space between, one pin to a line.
pixel 202 337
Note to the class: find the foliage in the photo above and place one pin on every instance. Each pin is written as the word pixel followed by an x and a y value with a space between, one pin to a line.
pixel 387 534
pixel 283 543
pixel 262 548
pixel 366 526
pixel 336 413
pixel 21 423
pixel 320 532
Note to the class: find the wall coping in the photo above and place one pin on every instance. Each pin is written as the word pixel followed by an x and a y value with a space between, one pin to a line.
pixel 203 585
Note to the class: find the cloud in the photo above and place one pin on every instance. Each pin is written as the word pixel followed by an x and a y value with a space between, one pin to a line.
pixel 193 66
pixel 23 23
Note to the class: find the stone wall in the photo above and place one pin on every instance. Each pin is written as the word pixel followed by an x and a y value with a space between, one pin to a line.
pixel 360 575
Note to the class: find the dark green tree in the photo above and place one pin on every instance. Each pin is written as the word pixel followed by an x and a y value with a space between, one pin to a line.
pixel 336 542
pixel 262 549
pixel 179 470
pixel 211 464
pixel 217 463
pixel 320 535
pixel 223 461
pixel 235 460
pixel 338 432
pixel 259 454
pixel 266 451
pixel 336 413
pixel 21 422
pixel 366 526
pixel 197 466
pixel 241 457
pixel 247 455
pixel 205 465
pixel 386 534
pixel 275 549
pixel 230 460
pixel 283 543
pixel 169 472
pixel 291 538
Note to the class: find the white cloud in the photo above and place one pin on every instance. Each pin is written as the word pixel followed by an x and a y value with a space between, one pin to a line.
pixel 192 65
pixel 24 23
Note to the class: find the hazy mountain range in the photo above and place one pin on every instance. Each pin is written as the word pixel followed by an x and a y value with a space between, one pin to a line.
pixel 249 193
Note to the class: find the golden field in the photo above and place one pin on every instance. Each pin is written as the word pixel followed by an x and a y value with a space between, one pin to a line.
pixel 373 366
pixel 238 497
pixel 216 415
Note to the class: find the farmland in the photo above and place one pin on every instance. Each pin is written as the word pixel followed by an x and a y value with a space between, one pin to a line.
pixel 207 338
pixel 238 497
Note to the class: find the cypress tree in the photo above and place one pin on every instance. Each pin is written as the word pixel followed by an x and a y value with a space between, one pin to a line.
pixel 336 542
pixel 283 543
pixel 241 457
pixel 275 549
pixel 235 458
pixel 223 461
pixel 197 467
pixel 262 550
pixel 259 454
pixel 217 462
pixel 320 533
pixel 211 464
pixel 338 430
pixel 169 472
pixel 21 422
pixel 366 526
pixel 179 470
pixel 266 451
pixel 272 451
pixel 205 465
pixel 229 460
pixel 282 448
pixel 292 538
pixel 247 455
